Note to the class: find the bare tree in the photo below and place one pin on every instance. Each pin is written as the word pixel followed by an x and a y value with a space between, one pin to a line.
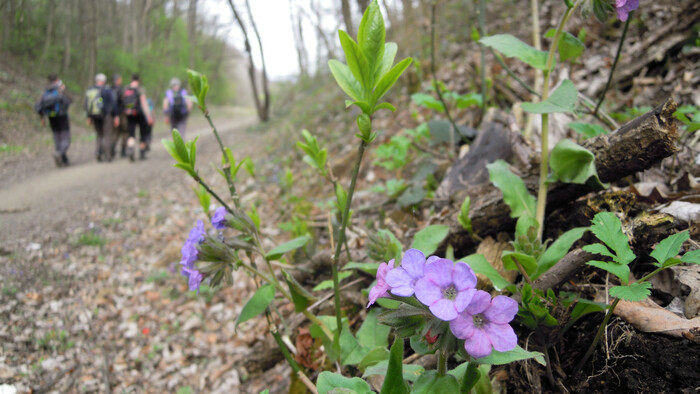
pixel 363 4
pixel 192 30
pixel 49 30
pixel 298 33
pixel 92 54
pixel 347 17
pixel 261 107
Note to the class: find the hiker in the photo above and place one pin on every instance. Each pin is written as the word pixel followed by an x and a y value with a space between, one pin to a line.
pixel 53 104
pixel 121 133
pixel 101 113
pixel 137 114
pixel 176 106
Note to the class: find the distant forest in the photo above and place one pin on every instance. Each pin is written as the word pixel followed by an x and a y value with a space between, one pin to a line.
pixel 159 39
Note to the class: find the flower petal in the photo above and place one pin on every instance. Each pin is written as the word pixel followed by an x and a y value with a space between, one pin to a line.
pixel 463 299
pixel 376 292
pixel 440 272
pixel 502 336
pixel 463 276
pixel 398 277
pixel 413 262
pixel 427 292
pixel 463 326
pixel 444 309
pixel 502 310
pixel 478 345
pixel 479 302
pixel 431 259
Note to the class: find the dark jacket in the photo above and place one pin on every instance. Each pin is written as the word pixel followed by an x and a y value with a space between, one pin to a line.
pixel 53 102
pixel 109 106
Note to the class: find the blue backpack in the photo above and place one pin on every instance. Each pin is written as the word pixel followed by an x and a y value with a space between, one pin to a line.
pixel 51 103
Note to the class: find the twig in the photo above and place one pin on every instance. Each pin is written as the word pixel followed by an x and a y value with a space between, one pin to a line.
pixel 435 81
pixel 617 57
pixel 48 385
pixel 429 151
pixel 482 31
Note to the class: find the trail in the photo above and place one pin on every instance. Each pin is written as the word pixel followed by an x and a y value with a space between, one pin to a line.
pixel 54 199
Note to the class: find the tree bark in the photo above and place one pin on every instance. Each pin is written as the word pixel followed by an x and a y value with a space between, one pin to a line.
pixel 67 38
pixel 49 30
pixel 265 113
pixel 298 32
pixel 92 65
pixel 192 31
pixel 634 147
pixel 347 17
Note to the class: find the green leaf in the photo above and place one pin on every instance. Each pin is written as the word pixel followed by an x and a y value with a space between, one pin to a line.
pixel 328 283
pixel 691 257
pixel 528 262
pixel 410 372
pixel 343 76
pixel 257 303
pixel 570 47
pixel 390 50
pixel 558 250
pixel 186 167
pixel 384 105
pixel 637 291
pixel 411 196
pixel 389 79
pixel 517 354
pixel 463 217
pixel 572 163
pixel 300 296
pixel 669 247
pixel 372 334
pixel 622 271
pixel 329 382
pixel 515 194
pixel 468 375
pixel 430 383
pixel 374 356
pixel 588 130
pixel 428 239
pixel 370 38
pixel 582 308
pixel 599 249
pixel 428 101
pixel 510 46
pixel 607 228
pixel 564 99
pixel 356 61
pixel 170 147
pixel 480 265
pixel 180 148
pixel 393 381
pixel 204 197
pixel 192 148
pixel 370 268
pixel 469 100
pixel 288 246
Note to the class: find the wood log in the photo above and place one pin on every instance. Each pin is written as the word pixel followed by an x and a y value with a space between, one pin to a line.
pixel 634 147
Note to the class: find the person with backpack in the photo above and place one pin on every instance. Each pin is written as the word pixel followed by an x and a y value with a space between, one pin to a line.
pixel 121 133
pixel 176 106
pixel 54 104
pixel 101 113
pixel 137 114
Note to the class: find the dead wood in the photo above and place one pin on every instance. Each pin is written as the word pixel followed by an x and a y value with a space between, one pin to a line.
pixel 634 147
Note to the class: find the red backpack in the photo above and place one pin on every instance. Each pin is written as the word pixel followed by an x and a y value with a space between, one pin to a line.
pixel 132 101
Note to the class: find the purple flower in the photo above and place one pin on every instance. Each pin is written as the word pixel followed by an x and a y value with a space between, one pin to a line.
pixel 624 7
pixel 446 288
pixel 218 220
pixel 189 249
pixel 484 325
pixel 194 278
pixel 402 280
pixel 381 288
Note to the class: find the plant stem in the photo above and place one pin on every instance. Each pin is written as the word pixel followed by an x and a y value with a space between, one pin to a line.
pixel 216 196
pixel 522 271
pixel 544 158
pixel 288 356
pixel 617 57
pixel 227 167
pixel 482 32
pixel 435 81
pixel 598 335
pixel 341 234
pixel 534 12
pixel 442 363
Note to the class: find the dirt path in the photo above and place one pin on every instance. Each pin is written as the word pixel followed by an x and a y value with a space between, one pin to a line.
pixel 52 199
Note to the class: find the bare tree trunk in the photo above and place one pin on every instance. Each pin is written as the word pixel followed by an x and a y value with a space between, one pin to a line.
pixel 266 99
pixel 6 22
pixel 49 30
pixel 321 34
pixel 298 33
pixel 192 31
pixel 67 37
pixel 363 4
pixel 347 17
pixel 92 65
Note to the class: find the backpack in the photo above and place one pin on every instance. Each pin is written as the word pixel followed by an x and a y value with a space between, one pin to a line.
pixel 51 103
pixel 93 101
pixel 132 101
pixel 178 104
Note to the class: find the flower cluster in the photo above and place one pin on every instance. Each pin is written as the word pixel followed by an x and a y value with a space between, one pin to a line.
pixel 190 252
pixel 449 291
pixel 624 7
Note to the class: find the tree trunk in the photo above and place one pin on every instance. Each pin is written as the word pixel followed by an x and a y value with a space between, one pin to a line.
pixel 265 116
pixel 93 42
pixel 363 4
pixel 6 23
pixel 251 65
pixel 49 30
pixel 298 33
pixel 192 31
pixel 67 37
pixel 347 17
